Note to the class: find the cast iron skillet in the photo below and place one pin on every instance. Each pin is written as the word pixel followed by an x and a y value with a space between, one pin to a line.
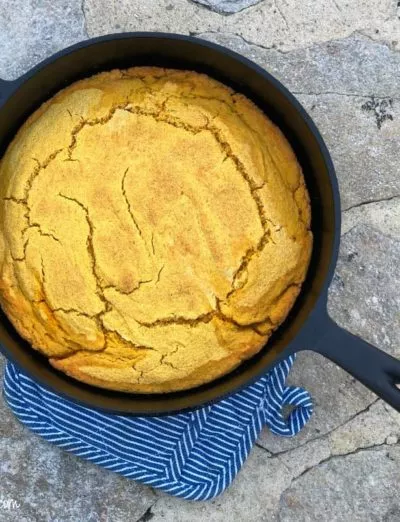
pixel 308 325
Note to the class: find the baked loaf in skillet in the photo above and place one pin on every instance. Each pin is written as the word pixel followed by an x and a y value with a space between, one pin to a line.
pixel 155 230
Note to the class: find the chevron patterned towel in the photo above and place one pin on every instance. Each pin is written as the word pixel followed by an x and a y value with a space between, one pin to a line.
pixel 193 455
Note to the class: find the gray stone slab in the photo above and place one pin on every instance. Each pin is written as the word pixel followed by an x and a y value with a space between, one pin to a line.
pixel 364 151
pixel 365 297
pixel 226 6
pixel 31 30
pixel 359 487
pixel 353 65
pixel 279 23
pixel 382 215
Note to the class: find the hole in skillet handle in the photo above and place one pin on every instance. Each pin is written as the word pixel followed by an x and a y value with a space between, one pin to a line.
pixel 377 370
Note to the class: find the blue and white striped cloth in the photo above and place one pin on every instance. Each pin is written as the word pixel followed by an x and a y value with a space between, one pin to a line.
pixel 193 455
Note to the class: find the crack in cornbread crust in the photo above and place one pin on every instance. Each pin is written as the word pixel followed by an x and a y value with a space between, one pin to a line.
pixel 160 323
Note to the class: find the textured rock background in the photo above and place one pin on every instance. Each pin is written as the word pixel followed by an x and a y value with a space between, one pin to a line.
pixel 342 61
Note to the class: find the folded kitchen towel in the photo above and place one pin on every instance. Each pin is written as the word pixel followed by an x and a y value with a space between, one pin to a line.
pixel 193 455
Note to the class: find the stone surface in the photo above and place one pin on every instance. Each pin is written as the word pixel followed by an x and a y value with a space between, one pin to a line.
pixel 278 23
pixel 31 30
pixel 227 6
pixel 359 487
pixel 342 61
pixel 367 168
pixel 368 269
pixel 354 65
pixel 382 215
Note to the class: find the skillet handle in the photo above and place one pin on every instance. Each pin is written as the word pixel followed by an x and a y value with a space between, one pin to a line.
pixel 377 370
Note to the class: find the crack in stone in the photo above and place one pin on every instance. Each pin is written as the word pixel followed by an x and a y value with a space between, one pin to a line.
pixel 221 11
pixel 281 13
pixel 85 28
pixel 245 40
pixel 360 32
pixel 337 6
pixel 328 459
pixel 320 437
pixel 148 514
pixel 345 94
pixel 274 48
pixel 370 202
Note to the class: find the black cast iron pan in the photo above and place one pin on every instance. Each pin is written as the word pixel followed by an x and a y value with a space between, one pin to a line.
pixel 308 325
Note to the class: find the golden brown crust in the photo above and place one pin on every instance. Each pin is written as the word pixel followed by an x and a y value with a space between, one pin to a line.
pixel 155 229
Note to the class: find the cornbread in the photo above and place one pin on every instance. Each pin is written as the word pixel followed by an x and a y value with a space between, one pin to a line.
pixel 155 230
